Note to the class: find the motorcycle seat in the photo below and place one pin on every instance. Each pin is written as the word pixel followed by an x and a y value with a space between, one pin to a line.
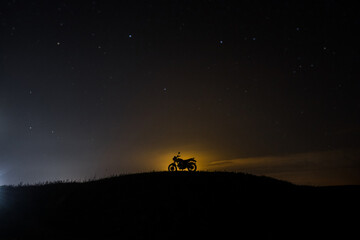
pixel 190 159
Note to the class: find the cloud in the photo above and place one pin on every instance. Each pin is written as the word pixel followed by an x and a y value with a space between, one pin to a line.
pixel 333 167
pixel 221 163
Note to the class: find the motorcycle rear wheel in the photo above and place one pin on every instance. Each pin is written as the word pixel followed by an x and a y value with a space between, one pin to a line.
pixel 172 167
pixel 192 167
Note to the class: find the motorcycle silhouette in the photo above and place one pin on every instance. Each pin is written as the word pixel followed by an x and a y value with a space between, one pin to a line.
pixel 190 164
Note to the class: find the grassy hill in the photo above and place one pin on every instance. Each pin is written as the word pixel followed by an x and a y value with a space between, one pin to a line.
pixel 163 205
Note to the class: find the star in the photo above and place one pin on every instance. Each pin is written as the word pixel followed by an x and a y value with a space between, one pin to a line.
pixel 221 42
pixel 58 43
pixel 130 36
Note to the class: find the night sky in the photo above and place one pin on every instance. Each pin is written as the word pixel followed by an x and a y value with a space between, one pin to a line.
pixel 94 88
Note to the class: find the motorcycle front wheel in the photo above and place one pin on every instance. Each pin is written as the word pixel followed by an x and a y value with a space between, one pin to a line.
pixel 172 167
pixel 192 167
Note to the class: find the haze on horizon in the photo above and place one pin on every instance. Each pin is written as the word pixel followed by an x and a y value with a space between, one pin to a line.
pixel 90 89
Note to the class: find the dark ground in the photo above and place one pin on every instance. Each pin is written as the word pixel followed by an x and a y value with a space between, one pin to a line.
pixel 180 205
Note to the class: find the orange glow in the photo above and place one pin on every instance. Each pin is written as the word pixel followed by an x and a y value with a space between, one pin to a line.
pixel 165 158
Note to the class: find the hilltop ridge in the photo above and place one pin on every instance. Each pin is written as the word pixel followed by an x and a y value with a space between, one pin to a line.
pixel 181 204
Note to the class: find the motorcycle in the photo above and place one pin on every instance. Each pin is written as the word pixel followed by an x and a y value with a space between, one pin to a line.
pixel 182 164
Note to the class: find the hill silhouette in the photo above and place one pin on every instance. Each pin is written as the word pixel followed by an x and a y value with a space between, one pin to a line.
pixel 178 205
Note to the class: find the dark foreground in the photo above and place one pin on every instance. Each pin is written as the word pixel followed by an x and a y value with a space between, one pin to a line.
pixel 179 205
